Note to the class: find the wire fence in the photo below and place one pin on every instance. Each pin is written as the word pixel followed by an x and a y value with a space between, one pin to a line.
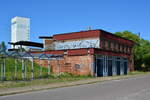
pixel 21 65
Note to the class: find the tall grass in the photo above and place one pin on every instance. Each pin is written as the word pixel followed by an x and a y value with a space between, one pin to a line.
pixel 12 74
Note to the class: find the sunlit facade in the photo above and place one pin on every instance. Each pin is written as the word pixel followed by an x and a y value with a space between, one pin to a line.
pixel 91 52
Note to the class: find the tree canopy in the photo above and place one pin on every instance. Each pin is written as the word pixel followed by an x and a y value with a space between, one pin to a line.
pixel 141 50
pixel 3 46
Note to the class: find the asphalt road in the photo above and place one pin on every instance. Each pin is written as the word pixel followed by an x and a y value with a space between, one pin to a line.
pixel 127 89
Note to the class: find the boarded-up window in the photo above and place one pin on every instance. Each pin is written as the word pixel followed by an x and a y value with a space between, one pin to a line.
pixel 112 46
pixel 106 44
pixel 109 45
pixel 116 47
pixel 121 48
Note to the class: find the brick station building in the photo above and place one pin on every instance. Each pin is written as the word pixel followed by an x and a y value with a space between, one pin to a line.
pixel 92 52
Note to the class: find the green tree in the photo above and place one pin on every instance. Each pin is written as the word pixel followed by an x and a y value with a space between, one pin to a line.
pixel 3 46
pixel 146 64
pixel 141 50
pixel 129 35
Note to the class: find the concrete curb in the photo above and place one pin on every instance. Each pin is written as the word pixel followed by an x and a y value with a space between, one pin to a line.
pixel 11 91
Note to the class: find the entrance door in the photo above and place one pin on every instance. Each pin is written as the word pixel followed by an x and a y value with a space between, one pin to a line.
pixel 105 66
pixel 125 67
pixel 109 67
pixel 100 67
pixel 122 67
pixel 118 67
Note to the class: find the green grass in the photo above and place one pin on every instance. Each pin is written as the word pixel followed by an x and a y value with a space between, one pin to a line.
pixel 138 73
pixel 63 77
pixel 10 70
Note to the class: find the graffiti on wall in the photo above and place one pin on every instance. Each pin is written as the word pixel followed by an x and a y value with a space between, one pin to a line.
pixel 90 43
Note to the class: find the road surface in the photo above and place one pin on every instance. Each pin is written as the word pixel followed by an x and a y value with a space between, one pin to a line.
pixel 127 89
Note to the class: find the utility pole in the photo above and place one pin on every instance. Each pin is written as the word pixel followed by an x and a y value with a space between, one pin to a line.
pixel 139 34
pixel 89 28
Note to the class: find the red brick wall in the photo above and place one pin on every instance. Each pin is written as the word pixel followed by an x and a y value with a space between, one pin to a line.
pixel 81 65
pixel 48 44
pixel 116 38
pixel 77 35
pixel 131 63
pixel 84 57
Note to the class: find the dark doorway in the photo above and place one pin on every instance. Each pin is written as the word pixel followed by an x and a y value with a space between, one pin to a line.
pixel 109 67
pixel 125 68
pixel 118 67
pixel 100 67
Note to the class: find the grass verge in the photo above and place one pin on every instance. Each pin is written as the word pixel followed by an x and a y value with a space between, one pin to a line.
pixel 64 80
pixel 64 77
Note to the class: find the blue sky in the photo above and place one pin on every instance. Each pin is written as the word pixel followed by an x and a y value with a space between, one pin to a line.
pixel 61 16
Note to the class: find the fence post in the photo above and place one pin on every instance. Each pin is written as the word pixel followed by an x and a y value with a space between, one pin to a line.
pixel 40 69
pixel 4 69
pixel 48 67
pixel 16 69
pixel 23 69
pixel 32 70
